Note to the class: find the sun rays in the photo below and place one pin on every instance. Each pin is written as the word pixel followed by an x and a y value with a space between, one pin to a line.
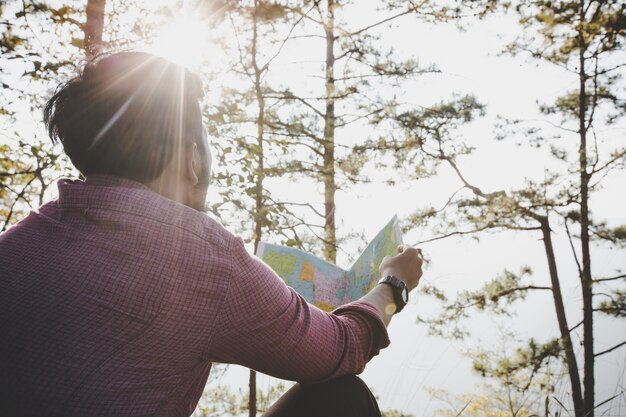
pixel 188 41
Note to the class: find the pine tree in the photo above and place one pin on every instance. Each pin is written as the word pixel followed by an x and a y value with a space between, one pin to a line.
pixel 29 165
pixel 356 70
pixel 240 120
pixel 93 27
pixel 584 38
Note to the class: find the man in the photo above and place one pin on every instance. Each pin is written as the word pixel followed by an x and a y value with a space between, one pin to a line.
pixel 116 298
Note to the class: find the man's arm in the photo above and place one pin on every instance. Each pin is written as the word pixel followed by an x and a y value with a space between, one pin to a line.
pixel 267 326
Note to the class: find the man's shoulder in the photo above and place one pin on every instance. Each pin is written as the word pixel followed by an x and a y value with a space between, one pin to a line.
pixel 213 231
pixel 132 202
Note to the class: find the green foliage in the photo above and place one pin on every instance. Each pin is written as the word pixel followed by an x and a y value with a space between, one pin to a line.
pixel 269 11
pixel 422 138
pixel 619 232
pixel 496 401
pixel 616 304
pixel 26 172
pixel 571 33
pixel 519 382
pixel 9 42
pixel 249 152
pixel 28 166
pixel 519 369
pixel 395 413
pixel 585 38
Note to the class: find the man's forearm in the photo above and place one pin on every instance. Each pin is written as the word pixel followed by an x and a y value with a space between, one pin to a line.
pixel 381 297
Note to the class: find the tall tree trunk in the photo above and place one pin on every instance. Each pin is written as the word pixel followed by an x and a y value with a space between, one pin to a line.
pixel 252 394
pixel 93 27
pixel 260 124
pixel 260 174
pixel 586 284
pixel 570 358
pixel 328 171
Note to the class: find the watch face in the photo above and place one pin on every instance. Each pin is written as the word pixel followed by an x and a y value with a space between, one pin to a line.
pixel 405 295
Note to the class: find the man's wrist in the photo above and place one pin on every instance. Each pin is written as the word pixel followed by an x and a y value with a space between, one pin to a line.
pixel 390 272
pixel 381 297
pixel 399 289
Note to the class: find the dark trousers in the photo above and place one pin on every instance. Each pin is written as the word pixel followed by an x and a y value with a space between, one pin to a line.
pixel 346 396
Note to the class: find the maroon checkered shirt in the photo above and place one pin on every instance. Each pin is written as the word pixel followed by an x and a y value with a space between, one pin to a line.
pixel 114 301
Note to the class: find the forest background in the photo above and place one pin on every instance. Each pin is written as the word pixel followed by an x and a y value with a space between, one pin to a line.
pixel 494 129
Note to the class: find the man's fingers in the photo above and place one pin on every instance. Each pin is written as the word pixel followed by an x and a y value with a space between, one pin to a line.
pixel 410 250
pixel 400 248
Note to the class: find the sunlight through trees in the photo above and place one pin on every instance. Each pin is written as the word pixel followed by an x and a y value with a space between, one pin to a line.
pixel 309 103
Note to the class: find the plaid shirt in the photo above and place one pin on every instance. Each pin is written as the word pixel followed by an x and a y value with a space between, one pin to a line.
pixel 114 301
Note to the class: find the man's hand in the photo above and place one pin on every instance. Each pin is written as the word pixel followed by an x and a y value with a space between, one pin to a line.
pixel 407 266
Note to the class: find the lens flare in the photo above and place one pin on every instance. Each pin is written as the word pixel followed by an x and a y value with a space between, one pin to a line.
pixel 186 41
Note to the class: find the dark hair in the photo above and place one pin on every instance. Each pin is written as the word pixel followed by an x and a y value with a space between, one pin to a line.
pixel 126 114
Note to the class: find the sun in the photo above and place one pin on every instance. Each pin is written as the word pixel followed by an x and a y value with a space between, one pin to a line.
pixel 187 41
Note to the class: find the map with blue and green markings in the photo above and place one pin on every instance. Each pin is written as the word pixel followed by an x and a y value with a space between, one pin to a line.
pixel 324 284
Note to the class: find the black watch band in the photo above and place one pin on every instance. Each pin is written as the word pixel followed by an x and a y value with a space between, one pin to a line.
pixel 400 291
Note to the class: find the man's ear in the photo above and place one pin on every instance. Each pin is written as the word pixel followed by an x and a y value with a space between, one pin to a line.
pixel 191 163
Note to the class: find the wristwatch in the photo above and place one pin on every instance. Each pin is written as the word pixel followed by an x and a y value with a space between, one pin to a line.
pixel 400 291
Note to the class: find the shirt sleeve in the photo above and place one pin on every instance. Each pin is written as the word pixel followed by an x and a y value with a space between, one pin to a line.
pixel 267 326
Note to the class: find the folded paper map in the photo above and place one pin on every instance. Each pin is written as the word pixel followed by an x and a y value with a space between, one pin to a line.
pixel 326 285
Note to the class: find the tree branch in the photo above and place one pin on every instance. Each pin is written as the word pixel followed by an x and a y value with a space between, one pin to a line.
pixel 610 309
pixel 287 95
pixel 469 232
pixel 293 27
pixel 20 196
pixel 356 118
pixel 381 22
pixel 611 349
pixel 10 174
pixel 610 279
pixel 571 243
pixel 575 327
pixel 527 287
pixel 619 155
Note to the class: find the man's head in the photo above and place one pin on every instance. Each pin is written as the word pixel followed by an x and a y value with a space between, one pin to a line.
pixel 136 116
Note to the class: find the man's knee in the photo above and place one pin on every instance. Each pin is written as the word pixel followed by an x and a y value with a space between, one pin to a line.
pixel 344 396
pixel 347 385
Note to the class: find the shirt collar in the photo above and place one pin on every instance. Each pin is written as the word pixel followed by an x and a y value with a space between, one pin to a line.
pixel 112 181
pixel 127 196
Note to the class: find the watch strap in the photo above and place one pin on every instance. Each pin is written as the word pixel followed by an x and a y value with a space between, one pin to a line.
pixel 398 287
